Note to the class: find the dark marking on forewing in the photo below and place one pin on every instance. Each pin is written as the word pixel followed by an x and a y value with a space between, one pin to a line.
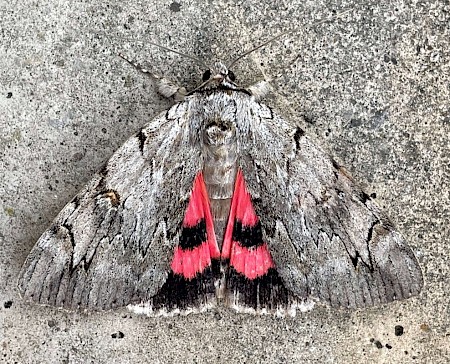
pixel 173 111
pixel 101 185
pixel 335 164
pixel 103 170
pixel 364 197
pixel 113 197
pixel 142 139
pixel 76 201
pixel 235 107
pixel 299 133
pixel 270 109
pixel 192 237
pixel 340 170
pixel 84 262
pixel 356 259
pixel 56 230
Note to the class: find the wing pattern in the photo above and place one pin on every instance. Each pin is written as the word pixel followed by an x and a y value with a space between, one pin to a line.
pixel 328 238
pixel 112 244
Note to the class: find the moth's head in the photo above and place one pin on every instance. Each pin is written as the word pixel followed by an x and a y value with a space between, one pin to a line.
pixel 218 75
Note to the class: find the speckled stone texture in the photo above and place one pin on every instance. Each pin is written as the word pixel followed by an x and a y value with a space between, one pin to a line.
pixel 371 87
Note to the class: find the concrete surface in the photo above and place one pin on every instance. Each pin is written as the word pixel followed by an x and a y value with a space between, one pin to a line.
pixel 372 88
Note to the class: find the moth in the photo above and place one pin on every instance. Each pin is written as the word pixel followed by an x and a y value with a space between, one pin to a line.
pixel 220 201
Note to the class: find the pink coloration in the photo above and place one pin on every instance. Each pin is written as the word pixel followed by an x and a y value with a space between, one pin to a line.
pixel 196 207
pixel 189 262
pixel 199 208
pixel 251 262
pixel 241 206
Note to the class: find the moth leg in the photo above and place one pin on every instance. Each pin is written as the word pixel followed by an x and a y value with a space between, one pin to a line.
pixel 260 89
pixel 164 86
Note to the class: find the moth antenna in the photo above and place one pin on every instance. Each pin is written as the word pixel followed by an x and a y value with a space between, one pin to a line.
pixel 137 66
pixel 279 36
pixel 257 47
pixel 198 61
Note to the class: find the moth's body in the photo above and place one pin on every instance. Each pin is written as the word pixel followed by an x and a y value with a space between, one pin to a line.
pixel 219 171
pixel 220 200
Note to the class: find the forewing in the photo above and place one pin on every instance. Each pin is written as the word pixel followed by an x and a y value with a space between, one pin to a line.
pixel 327 237
pixel 112 244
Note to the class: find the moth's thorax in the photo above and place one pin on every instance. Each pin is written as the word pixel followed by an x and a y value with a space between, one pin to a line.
pixel 219 170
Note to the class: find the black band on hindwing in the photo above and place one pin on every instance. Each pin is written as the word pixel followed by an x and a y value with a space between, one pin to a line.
pixel 181 293
pixel 247 236
pixel 192 237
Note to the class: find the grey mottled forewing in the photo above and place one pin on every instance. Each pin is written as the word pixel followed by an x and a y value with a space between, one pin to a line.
pixel 328 238
pixel 112 244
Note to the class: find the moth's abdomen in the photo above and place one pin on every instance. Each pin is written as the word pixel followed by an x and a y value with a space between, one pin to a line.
pixel 219 171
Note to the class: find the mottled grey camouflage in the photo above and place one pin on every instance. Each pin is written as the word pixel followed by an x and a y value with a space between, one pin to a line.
pixel 112 245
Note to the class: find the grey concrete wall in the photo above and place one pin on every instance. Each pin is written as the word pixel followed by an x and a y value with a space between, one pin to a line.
pixel 372 88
